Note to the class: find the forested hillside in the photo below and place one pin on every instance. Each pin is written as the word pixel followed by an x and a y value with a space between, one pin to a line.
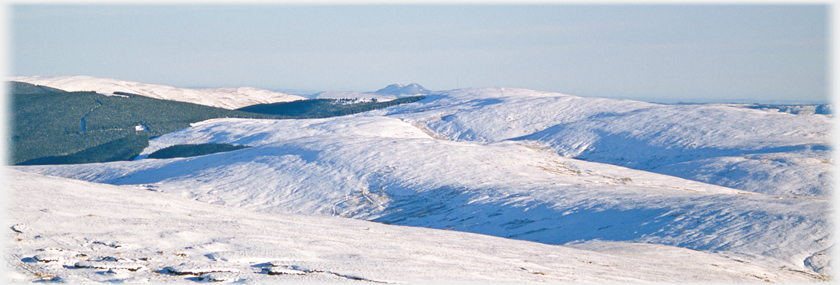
pixel 51 126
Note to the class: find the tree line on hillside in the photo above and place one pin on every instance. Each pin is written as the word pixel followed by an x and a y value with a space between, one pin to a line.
pixel 323 108
pixel 52 126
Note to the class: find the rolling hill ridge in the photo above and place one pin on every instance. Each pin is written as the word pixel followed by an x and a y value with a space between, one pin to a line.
pixel 747 184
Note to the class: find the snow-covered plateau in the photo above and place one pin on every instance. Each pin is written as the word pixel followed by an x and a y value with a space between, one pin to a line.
pixel 227 98
pixel 527 186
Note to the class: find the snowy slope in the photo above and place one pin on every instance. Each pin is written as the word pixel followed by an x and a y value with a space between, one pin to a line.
pixel 526 165
pixel 228 98
pixel 756 150
pixel 79 232
pixel 383 169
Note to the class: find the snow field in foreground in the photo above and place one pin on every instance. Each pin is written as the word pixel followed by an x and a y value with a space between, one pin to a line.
pixel 88 232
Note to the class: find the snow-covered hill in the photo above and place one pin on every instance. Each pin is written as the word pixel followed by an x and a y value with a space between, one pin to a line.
pixel 64 230
pixel 228 98
pixel 383 169
pixel 756 150
pixel 526 165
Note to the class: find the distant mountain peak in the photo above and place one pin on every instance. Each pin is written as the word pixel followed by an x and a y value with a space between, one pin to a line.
pixel 399 89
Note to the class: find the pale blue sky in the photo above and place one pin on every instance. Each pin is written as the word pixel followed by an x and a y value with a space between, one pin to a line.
pixel 652 52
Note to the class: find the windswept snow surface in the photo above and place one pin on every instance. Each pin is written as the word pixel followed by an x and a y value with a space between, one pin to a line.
pixel 762 151
pixel 228 98
pixel 64 230
pixel 501 162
